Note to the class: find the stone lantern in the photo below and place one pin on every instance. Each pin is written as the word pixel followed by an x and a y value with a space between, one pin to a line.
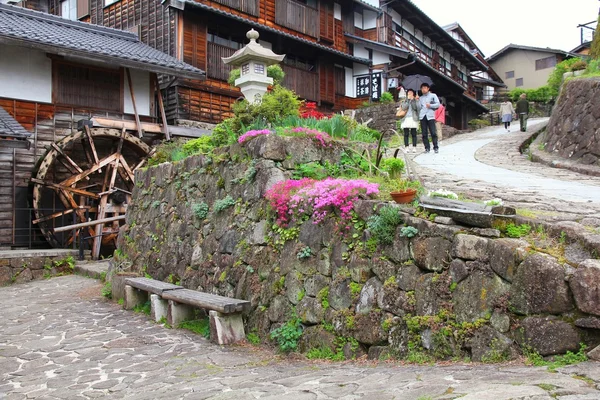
pixel 253 60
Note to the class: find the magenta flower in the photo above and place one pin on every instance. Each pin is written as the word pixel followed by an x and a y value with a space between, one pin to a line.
pixel 251 134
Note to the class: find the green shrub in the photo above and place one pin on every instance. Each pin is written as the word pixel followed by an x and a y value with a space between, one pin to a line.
pixel 363 133
pixel 199 326
pixel 253 338
pixel 386 98
pixel 143 308
pixel 200 210
pixel 201 145
pixel 233 75
pixel 305 252
pixel 543 94
pixel 556 77
pixel 288 334
pixel 107 290
pixel 312 170
pixel 408 231
pixel 578 65
pixel 517 231
pixel 273 71
pixel 383 225
pixel 167 152
pixel 478 123
pixel 595 47
pixel 393 166
pixel 223 204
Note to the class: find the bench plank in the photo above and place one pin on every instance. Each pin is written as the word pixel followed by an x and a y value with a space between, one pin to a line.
pixel 224 305
pixel 151 285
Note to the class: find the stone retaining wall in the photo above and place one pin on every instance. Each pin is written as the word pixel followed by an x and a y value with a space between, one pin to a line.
pixel 23 266
pixel 573 131
pixel 450 291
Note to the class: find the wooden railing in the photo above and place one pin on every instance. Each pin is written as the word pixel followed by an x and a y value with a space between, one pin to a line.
pixel 215 68
pixel 245 6
pixel 304 83
pixel 298 17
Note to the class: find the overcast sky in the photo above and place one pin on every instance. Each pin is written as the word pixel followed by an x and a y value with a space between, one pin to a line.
pixel 494 24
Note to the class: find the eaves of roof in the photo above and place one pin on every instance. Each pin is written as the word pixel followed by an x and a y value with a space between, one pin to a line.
pixel 56 35
pixel 182 4
pixel 529 48
pixel 440 74
pixel 12 134
pixel 491 82
pixel 385 48
pixel 476 103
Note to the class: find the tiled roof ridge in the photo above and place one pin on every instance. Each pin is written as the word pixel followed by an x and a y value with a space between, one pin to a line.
pixel 54 19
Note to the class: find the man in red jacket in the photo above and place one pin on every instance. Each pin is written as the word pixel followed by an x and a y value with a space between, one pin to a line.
pixel 440 120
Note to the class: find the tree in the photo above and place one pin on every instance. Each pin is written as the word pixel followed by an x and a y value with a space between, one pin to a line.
pixel 595 48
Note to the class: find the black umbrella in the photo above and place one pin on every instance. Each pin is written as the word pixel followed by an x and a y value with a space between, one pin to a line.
pixel 415 81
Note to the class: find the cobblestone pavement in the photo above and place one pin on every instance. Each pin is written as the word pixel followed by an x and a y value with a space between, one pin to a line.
pixel 60 339
pixel 487 164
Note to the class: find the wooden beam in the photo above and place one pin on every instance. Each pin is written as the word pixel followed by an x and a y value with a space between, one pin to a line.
pixel 90 141
pixel 55 215
pixel 67 158
pixel 88 223
pixel 138 125
pixel 65 188
pixel 125 166
pixel 99 224
pixel 161 106
pixel 76 178
pixel 100 122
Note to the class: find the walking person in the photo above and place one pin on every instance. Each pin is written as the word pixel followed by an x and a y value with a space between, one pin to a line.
pixel 523 111
pixel 429 103
pixel 440 120
pixel 506 112
pixel 410 107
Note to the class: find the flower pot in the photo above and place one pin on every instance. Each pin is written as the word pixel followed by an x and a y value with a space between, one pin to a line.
pixel 404 197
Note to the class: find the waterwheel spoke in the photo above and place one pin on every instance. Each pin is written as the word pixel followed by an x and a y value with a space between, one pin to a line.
pixel 56 215
pixel 89 140
pixel 74 179
pixel 58 186
pixel 68 159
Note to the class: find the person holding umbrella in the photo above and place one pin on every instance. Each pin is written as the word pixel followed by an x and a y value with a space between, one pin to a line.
pixel 429 103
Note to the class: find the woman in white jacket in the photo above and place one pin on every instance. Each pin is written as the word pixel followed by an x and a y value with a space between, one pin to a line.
pixel 506 111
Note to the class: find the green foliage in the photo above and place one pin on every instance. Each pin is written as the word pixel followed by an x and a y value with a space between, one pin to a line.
pixel 393 166
pixel 273 71
pixel 226 132
pixel 323 297
pixel 200 210
pixel 383 225
pixel 301 294
pixel 278 103
pixel 253 338
pixel 107 290
pixel 201 145
pixel 595 47
pixel 578 65
pixel 313 170
pixel 233 75
pixel 304 253
pixel 478 123
pixel 556 77
pixel 121 301
pixel 408 231
pixel 543 94
pixel 386 98
pixel 495 354
pixel 223 204
pixel 144 308
pixel 453 286
pixel 325 353
pixel 363 133
pixel 170 151
pixel 199 326
pixel 535 359
pixel 355 289
pixel 288 334
pixel 517 231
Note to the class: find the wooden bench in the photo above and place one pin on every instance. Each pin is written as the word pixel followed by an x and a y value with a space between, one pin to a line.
pixel 177 304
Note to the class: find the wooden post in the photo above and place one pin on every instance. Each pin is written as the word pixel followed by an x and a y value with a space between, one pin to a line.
pixel 89 223
pixel 161 106
pixel 137 116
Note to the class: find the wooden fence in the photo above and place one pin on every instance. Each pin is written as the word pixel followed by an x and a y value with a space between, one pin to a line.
pixel 297 16
pixel 215 67
pixel 304 83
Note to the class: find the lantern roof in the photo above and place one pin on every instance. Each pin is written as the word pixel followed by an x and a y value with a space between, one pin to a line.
pixel 253 51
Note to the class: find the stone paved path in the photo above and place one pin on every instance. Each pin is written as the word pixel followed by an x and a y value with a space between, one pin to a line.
pixel 487 164
pixel 59 339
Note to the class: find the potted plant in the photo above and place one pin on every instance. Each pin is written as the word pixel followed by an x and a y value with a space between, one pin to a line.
pixel 405 191
pixel 393 166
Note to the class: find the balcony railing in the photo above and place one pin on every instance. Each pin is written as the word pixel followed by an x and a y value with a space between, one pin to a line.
pixel 215 68
pixel 304 83
pixel 245 6
pixel 297 16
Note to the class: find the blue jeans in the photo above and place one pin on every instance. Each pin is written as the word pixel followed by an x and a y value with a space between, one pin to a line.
pixel 428 126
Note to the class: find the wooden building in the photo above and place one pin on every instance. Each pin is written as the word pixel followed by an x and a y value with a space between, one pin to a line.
pixel 54 73
pixel 339 52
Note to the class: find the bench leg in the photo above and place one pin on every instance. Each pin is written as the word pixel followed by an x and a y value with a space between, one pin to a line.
pixel 158 307
pixel 226 328
pixel 134 297
pixel 178 313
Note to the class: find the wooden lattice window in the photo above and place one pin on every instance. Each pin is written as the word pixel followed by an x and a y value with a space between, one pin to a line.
pixel 82 86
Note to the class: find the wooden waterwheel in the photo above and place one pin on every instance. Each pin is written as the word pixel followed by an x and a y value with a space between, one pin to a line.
pixel 88 177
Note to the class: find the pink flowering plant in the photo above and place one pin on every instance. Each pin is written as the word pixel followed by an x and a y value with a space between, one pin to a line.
pixel 320 138
pixel 252 134
pixel 298 200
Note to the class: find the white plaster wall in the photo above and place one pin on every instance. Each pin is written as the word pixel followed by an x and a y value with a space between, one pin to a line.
pixel 427 41
pixel 141 88
pixel 349 82
pixel 25 74
pixel 358 20
pixel 397 18
pixel 360 51
pixel 407 26
pixel 380 58
pixel 337 11
pixel 369 19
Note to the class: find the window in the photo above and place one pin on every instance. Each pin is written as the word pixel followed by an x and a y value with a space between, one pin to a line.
pixel 68 9
pixel 519 82
pixel 299 62
pixel 543 63
pixel 224 39
pixel 82 86
pixel 509 74
pixel 109 2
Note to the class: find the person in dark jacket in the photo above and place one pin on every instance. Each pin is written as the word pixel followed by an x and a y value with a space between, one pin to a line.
pixel 523 111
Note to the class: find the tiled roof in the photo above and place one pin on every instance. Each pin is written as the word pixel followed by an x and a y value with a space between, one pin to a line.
pixel 53 34
pixel 529 48
pixel 259 26
pixel 9 127
pixel 396 51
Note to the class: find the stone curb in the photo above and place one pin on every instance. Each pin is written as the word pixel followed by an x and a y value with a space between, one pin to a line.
pixel 93 270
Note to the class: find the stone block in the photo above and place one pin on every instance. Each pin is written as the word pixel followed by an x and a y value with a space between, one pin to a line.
pixel 5 276
pixel 310 311
pixel 370 292
pixel 506 255
pixel 594 354
pixel 117 282
pixel 585 284
pixel 226 328
pixel 550 335
pixel 458 270
pixel 178 313
pixel 476 296
pixel 159 307
pixel 134 297
pixel 431 253
pixel 22 275
pixel 539 287
pixel 408 276
pixel 470 247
